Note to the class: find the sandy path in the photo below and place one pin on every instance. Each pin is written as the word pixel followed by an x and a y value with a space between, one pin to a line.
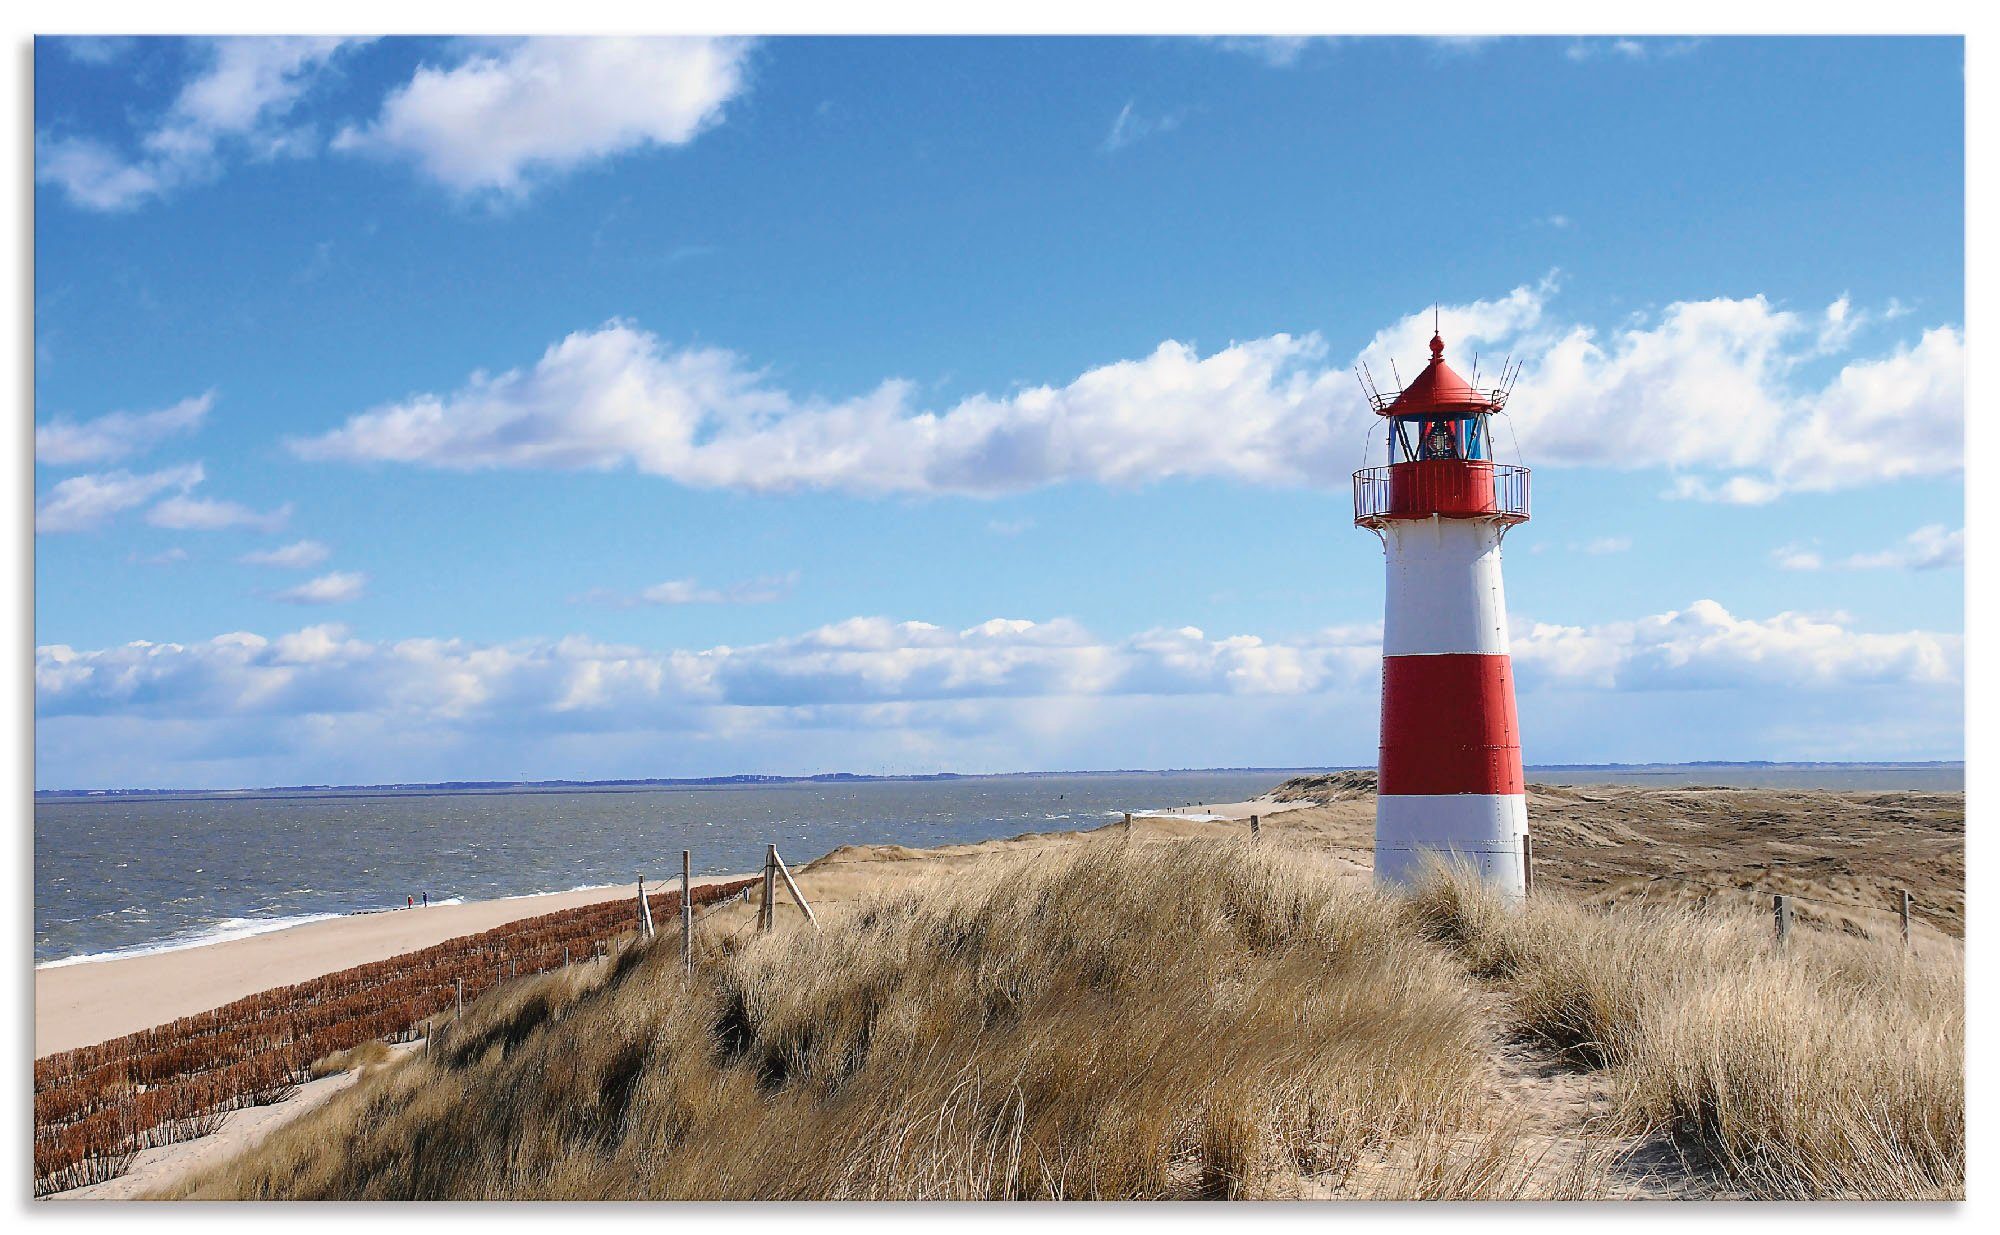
pixel 1212 811
pixel 163 1164
pixel 76 1005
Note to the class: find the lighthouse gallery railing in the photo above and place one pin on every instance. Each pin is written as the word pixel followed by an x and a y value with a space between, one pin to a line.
pixel 1451 489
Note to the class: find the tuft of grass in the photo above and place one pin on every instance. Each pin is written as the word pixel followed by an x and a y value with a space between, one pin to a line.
pixel 370 1054
pixel 1830 1068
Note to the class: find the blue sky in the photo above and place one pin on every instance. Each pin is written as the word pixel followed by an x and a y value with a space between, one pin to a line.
pixel 417 409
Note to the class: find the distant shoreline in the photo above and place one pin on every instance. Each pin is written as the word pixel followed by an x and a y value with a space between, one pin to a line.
pixel 752 781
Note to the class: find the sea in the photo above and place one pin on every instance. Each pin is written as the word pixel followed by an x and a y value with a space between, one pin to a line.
pixel 123 874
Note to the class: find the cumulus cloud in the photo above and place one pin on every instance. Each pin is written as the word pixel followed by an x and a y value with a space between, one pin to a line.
pixel 118 435
pixel 1931 547
pixel 187 513
pixel 322 704
pixel 240 102
pixel 1729 376
pixel 88 501
pixel 299 555
pixel 874 660
pixel 1704 646
pixel 336 588
pixel 760 591
pixel 514 112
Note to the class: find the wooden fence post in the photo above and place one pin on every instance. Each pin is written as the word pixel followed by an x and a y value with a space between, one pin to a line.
pixel 766 907
pixel 1527 863
pixel 1906 919
pixel 565 956
pixel 687 912
pixel 793 888
pixel 1128 825
pixel 1253 827
pixel 458 994
pixel 1781 913
pixel 645 912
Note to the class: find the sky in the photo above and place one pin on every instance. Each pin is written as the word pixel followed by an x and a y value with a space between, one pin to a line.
pixel 420 409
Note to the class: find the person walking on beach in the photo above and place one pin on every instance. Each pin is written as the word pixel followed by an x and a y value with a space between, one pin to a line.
pixel 427 898
pixel 412 902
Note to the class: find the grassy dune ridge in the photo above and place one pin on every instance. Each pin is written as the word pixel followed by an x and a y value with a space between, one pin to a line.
pixel 1175 1018
pixel 1833 1067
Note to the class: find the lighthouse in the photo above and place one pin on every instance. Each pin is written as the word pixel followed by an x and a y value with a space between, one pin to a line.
pixel 1449 776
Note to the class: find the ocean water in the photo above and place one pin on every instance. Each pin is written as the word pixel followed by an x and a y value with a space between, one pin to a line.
pixel 115 875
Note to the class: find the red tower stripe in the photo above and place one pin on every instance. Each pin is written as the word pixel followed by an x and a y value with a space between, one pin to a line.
pixel 1448 725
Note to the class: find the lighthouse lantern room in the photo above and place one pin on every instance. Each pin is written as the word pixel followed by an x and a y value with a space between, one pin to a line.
pixel 1449 778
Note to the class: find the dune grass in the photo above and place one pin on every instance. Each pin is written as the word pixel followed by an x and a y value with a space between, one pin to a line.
pixel 1168 1019
pixel 1150 1021
pixel 1830 1068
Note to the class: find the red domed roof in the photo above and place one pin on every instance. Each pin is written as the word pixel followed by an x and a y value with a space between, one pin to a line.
pixel 1438 389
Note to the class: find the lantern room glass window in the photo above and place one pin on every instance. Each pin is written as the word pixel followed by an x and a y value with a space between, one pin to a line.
pixel 1414 438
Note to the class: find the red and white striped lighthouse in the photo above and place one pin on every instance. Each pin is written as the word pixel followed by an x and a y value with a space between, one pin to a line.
pixel 1449 779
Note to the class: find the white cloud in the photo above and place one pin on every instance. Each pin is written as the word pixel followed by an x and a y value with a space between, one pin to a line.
pixel 84 502
pixel 1705 647
pixel 1631 49
pixel 319 704
pixel 1130 125
pixel 336 588
pixel 875 660
pixel 299 555
pixel 240 100
pixel 1715 390
pixel 172 556
pixel 1277 50
pixel 60 441
pixel 184 512
pixel 518 111
pixel 1931 547
pixel 1603 545
pixel 760 591
pixel 95 49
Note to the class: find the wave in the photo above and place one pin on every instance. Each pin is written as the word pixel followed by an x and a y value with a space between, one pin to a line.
pixel 201 937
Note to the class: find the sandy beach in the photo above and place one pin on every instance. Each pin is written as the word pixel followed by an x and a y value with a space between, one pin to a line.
pixel 77 1005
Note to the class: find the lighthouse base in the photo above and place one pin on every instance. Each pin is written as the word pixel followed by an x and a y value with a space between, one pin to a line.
pixel 1485 831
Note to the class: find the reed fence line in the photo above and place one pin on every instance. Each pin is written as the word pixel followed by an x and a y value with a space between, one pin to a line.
pixel 97 1106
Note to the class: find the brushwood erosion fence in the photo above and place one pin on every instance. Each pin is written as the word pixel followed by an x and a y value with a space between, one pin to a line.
pixel 97 1106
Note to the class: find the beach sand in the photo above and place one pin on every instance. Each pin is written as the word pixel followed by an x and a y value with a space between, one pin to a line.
pixel 77 1005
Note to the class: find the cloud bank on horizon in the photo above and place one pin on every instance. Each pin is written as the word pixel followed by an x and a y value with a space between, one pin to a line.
pixel 331 705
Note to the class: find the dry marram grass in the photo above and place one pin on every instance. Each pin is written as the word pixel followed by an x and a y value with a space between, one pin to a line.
pixel 1163 1020
pixel 1176 1018
pixel 1829 1068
